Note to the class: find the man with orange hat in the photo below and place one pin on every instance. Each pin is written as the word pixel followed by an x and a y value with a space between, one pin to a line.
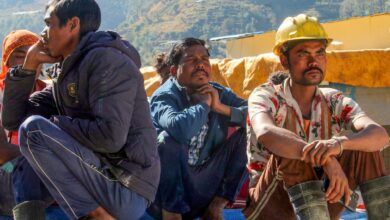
pixel 18 182
pixel 294 133
pixel 15 47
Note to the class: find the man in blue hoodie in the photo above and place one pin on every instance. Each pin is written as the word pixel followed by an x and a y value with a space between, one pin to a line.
pixel 89 137
pixel 201 167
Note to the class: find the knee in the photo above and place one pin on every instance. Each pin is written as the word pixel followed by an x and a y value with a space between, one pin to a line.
pixel 34 122
pixel 31 124
pixel 169 149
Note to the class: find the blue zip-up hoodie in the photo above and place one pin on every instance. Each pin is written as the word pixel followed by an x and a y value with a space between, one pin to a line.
pixel 172 112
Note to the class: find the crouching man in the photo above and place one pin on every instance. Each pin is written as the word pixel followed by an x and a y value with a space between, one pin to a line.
pixel 202 168
pixel 90 137
pixel 298 124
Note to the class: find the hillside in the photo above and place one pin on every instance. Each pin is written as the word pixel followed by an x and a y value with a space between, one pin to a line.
pixel 28 14
pixel 152 25
pixel 169 20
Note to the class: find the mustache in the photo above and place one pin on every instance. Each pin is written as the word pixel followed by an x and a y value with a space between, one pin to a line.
pixel 199 70
pixel 313 68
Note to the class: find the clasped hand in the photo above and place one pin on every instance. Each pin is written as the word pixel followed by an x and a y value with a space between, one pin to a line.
pixel 208 94
pixel 318 152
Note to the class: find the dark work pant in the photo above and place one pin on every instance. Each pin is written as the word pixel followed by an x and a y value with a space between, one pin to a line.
pixel 27 186
pixel 189 189
pixel 74 174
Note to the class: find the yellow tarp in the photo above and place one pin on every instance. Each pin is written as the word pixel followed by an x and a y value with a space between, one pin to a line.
pixel 368 68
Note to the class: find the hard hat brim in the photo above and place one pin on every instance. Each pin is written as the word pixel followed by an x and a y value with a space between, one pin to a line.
pixel 277 48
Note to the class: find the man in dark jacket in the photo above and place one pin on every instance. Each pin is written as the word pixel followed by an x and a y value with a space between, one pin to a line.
pixel 90 137
pixel 201 167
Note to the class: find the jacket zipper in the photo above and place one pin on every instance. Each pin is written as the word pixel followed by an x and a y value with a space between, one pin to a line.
pixel 56 98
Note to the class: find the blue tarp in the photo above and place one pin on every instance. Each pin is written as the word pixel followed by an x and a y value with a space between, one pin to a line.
pixel 55 213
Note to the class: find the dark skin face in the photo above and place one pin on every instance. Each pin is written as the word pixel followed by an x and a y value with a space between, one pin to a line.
pixel 17 56
pixel 194 68
pixel 60 41
pixel 306 63
pixel 57 41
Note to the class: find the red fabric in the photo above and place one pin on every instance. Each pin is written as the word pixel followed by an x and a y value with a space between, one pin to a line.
pixel 231 130
pixel 240 201
pixel 361 207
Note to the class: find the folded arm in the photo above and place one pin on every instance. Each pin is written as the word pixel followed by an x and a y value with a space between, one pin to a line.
pixel 279 141
pixel 181 124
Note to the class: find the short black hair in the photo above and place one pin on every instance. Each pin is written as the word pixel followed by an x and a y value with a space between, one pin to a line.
pixel 162 66
pixel 87 11
pixel 177 50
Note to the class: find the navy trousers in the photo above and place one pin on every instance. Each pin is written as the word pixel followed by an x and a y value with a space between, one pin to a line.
pixel 74 175
pixel 189 189
pixel 27 186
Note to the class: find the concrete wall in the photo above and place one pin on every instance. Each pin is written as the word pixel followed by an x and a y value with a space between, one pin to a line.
pixel 250 46
pixel 386 152
pixel 374 101
pixel 369 32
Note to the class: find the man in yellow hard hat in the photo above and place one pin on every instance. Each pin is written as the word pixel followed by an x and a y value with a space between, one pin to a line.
pixel 301 167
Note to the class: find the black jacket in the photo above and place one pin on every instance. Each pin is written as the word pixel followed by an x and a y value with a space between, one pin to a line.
pixel 99 99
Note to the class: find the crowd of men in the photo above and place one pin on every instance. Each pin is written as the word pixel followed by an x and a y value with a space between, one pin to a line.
pixel 92 143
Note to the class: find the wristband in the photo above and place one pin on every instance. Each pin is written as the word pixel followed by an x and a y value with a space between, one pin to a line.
pixel 28 72
pixel 19 72
pixel 340 145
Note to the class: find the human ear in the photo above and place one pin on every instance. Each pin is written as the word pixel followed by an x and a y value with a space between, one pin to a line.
pixel 284 61
pixel 74 24
pixel 173 70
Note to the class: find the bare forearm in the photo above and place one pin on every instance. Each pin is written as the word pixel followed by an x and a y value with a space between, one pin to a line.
pixel 8 152
pixel 281 142
pixel 372 138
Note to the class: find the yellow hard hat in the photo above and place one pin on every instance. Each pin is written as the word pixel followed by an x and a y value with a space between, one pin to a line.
pixel 300 27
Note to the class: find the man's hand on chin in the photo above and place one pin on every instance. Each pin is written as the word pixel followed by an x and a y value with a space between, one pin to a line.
pixel 37 55
pixel 210 90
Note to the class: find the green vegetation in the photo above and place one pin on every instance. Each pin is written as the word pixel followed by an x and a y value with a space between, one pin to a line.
pixel 153 25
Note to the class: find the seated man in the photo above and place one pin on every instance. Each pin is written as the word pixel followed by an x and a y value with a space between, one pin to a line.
pixel 89 137
pixel 18 182
pixel 299 125
pixel 201 167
